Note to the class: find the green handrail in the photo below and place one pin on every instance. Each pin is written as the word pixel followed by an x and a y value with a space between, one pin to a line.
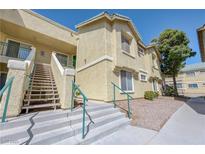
pixel 7 85
pixel 128 98
pixel 74 88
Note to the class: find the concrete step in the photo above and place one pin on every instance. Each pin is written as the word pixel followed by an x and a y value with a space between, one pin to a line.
pixel 63 126
pixel 96 134
pixel 44 105
pixel 42 130
pixel 42 83
pixel 52 115
pixel 65 133
pixel 40 99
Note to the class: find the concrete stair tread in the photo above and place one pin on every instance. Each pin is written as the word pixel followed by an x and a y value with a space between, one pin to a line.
pixel 41 105
pixel 46 94
pixel 71 130
pixel 40 99
pixel 96 133
pixel 50 115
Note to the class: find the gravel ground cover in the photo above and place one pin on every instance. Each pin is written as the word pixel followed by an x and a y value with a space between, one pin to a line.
pixel 151 114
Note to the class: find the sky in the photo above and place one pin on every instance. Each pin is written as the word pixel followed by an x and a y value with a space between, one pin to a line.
pixel 149 23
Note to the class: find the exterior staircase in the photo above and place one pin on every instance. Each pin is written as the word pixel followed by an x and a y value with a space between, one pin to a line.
pixel 42 93
pixel 63 126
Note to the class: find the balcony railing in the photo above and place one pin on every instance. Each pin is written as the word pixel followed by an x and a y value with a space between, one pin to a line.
pixel 14 51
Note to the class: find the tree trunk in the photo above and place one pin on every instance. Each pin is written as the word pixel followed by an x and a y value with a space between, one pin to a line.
pixel 175 85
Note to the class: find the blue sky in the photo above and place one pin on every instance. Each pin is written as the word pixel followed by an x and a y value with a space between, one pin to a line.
pixel 148 22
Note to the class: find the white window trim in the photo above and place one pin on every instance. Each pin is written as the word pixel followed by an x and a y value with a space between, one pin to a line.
pixel 143 53
pixel 127 91
pixel 68 56
pixel 146 76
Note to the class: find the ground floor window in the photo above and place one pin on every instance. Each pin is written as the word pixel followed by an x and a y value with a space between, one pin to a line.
pixel 193 85
pixel 2 79
pixel 126 81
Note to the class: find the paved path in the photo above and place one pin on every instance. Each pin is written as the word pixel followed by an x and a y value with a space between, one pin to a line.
pixel 184 127
pixel 129 135
pixel 197 104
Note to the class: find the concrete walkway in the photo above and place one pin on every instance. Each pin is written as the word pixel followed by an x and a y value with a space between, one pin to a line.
pixel 186 126
pixel 129 135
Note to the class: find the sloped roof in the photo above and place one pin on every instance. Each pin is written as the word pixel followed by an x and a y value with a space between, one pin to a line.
pixel 194 67
pixel 110 17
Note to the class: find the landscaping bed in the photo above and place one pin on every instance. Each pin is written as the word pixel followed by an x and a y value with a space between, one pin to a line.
pixel 151 114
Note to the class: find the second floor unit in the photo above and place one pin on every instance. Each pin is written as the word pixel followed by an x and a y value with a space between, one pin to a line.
pixel 115 37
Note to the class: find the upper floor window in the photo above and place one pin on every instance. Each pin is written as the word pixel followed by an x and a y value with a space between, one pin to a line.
pixel 63 59
pixel 125 42
pixel 190 74
pixel 126 81
pixel 193 85
pixel 140 51
pixel 17 49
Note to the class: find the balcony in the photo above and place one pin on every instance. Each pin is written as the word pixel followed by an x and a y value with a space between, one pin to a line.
pixel 13 50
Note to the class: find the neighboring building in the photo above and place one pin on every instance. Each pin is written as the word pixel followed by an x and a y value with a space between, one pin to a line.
pixel 39 53
pixel 191 80
pixel 201 39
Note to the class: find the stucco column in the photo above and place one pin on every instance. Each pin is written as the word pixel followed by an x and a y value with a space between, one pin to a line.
pixel 67 91
pixel 16 70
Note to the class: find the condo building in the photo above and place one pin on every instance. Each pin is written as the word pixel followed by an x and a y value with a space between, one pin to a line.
pixel 44 58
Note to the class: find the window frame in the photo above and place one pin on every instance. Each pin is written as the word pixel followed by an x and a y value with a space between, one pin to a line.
pixel 120 84
pixel 125 36
pixel 139 52
pixel 145 74
pixel 191 87
pixel 17 41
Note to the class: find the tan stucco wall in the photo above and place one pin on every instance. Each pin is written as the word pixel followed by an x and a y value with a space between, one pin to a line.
pixel 35 22
pixel 64 85
pixel 199 78
pixel 40 58
pixel 99 39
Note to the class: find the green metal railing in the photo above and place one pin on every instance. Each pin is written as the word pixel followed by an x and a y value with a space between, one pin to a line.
pixel 128 98
pixel 6 86
pixel 75 88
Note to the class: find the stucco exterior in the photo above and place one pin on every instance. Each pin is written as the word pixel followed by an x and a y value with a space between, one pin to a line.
pixel 192 76
pixel 201 39
pixel 100 59
pixel 97 46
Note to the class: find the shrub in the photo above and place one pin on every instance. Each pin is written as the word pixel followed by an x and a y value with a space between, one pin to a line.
pixel 156 94
pixel 150 95
pixel 169 91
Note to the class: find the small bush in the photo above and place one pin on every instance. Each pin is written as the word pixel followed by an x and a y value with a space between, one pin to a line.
pixel 169 91
pixel 156 94
pixel 150 95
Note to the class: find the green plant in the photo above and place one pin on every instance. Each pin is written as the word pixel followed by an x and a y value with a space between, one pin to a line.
pixel 77 93
pixel 150 95
pixel 169 91
pixel 174 49
pixel 156 94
